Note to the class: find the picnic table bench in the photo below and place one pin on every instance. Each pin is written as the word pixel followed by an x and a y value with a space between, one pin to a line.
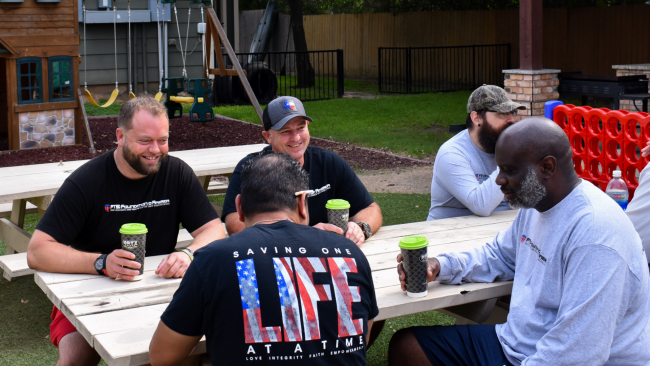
pixel 31 189
pixel 118 318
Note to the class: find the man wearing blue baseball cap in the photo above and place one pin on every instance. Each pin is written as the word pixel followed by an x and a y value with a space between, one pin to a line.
pixel 330 177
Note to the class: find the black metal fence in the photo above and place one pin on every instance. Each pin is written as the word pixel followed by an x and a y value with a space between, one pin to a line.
pixel 436 69
pixel 309 75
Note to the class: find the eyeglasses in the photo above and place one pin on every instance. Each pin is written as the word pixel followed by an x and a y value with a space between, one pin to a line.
pixel 313 192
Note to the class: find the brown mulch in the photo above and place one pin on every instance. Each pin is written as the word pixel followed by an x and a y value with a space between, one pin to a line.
pixel 186 135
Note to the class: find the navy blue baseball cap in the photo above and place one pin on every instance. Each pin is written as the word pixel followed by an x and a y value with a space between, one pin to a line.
pixel 281 110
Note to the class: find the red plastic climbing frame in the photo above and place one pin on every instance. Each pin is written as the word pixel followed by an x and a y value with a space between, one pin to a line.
pixel 604 140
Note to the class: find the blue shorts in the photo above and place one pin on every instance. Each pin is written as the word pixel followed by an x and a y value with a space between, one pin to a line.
pixel 461 345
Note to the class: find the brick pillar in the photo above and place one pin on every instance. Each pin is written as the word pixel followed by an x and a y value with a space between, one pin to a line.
pixel 532 88
pixel 629 70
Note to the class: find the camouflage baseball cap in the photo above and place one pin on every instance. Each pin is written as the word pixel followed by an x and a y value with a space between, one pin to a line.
pixel 491 98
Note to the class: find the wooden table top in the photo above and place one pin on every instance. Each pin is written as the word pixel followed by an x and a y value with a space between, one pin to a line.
pixel 38 180
pixel 119 318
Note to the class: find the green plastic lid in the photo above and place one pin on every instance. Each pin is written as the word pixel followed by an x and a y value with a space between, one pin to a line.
pixel 414 242
pixel 337 204
pixel 133 229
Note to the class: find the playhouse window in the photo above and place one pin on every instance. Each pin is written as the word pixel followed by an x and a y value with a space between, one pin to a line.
pixel 60 70
pixel 30 80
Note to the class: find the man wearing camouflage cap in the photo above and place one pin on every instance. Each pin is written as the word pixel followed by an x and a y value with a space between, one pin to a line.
pixel 464 172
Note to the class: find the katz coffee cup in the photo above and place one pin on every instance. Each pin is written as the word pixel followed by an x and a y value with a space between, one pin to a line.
pixel 338 213
pixel 415 260
pixel 134 240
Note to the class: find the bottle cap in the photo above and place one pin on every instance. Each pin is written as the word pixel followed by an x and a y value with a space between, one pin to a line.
pixel 616 174
pixel 413 242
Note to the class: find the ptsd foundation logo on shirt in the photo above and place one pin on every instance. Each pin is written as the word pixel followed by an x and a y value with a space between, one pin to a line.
pixel 481 177
pixel 534 248
pixel 139 206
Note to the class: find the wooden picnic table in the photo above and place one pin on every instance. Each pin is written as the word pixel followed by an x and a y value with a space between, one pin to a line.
pixel 37 183
pixel 118 318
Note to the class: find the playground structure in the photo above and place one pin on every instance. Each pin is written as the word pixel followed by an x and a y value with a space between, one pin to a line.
pixel 40 96
pixel 39 68
pixel 215 37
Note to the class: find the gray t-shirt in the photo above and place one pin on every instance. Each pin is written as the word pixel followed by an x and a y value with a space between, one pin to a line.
pixel 464 181
pixel 581 290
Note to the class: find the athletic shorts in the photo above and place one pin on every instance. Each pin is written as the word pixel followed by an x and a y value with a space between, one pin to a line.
pixel 461 345
pixel 60 326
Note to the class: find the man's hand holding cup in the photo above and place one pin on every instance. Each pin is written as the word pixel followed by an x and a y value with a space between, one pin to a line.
pixel 120 264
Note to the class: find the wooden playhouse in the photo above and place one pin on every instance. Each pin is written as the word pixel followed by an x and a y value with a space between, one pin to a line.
pixel 39 69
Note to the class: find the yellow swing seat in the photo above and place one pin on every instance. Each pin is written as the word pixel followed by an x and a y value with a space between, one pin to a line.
pixel 111 100
pixel 158 96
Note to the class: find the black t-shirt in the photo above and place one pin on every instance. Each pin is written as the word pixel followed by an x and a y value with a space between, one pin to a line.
pixel 278 294
pixel 324 167
pixel 96 200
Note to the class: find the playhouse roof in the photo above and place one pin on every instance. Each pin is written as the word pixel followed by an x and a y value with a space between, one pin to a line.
pixel 6 47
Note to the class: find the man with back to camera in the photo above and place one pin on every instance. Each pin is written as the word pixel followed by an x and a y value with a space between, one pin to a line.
pixel 464 170
pixel 286 130
pixel 283 292
pixel 581 290
pixel 135 183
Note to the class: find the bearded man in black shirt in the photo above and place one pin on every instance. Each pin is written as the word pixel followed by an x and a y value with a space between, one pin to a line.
pixel 279 292
pixel 286 129
pixel 135 183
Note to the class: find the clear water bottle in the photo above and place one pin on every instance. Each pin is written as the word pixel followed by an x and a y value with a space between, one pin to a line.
pixel 617 189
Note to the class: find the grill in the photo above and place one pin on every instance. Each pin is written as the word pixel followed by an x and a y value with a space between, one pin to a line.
pixel 616 88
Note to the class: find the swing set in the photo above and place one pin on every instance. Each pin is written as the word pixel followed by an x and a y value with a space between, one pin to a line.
pixel 200 111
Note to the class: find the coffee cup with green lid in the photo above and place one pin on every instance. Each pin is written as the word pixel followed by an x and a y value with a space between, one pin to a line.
pixel 415 258
pixel 134 240
pixel 338 213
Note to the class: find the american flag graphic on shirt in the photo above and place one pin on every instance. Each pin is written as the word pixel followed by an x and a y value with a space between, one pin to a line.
pixel 250 302
pixel 310 294
pixel 345 295
pixel 288 299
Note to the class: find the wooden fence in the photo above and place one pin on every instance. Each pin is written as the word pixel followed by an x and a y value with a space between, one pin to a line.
pixel 590 40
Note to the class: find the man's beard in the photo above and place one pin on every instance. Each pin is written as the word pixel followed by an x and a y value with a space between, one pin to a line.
pixel 137 165
pixel 530 193
pixel 488 136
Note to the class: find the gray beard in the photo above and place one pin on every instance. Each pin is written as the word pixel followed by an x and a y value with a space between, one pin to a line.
pixel 531 192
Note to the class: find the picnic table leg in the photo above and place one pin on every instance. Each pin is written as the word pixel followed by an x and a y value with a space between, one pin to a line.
pixel 489 311
pixel 17 218
pixel 205 182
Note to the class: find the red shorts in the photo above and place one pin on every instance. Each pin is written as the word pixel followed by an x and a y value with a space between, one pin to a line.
pixel 60 326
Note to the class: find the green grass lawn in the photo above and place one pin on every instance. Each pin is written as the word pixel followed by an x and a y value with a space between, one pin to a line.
pixel 25 310
pixel 415 124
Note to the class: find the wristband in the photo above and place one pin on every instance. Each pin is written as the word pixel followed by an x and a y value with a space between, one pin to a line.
pixel 189 253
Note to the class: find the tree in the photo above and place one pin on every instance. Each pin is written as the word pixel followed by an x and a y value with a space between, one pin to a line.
pixel 306 76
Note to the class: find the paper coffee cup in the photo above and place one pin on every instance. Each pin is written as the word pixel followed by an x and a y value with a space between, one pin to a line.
pixel 134 239
pixel 415 259
pixel 338 213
